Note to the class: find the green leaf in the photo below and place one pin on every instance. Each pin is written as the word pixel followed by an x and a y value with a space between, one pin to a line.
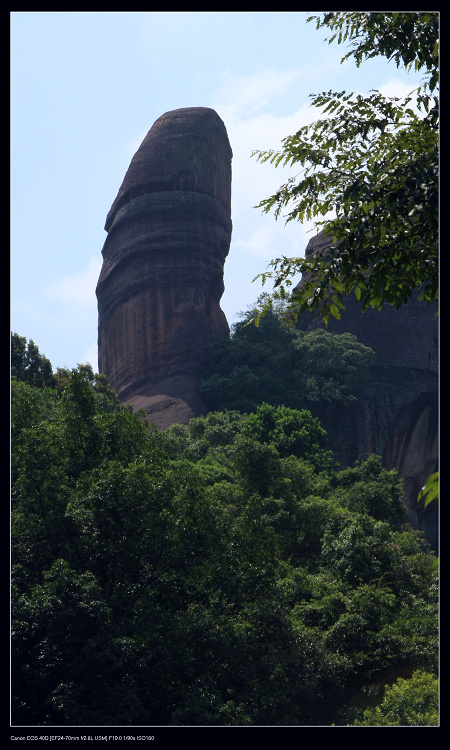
pixel 430 490
pixel 373 163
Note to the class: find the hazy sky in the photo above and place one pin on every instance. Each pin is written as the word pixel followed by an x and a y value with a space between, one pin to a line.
pixel 85 90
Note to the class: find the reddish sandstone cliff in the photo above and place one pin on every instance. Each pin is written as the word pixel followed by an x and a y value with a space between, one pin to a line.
pixel 159 290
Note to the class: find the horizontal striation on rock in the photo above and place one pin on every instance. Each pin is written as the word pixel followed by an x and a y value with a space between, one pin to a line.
pixel 159 290
pixel 186 149
pixel 141 251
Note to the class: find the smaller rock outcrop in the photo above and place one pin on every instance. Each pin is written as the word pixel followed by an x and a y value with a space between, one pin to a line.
pixel 397 412
pixel 159 290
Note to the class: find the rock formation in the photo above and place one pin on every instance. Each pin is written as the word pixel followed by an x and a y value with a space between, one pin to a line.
pixel 169 232
pixel 397 413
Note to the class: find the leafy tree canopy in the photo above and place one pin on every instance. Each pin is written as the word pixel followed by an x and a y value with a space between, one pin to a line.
pixel 33 368
pixel 28 364
pixel 280 365
pixel 369 168
pixel 410 702
pixel 220 573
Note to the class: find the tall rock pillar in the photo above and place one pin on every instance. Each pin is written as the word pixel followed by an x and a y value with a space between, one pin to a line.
pixel 169 232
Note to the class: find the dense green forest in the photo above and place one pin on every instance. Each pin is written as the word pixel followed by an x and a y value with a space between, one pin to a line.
pixel 281 365
pixel 226 572
pixel 278 364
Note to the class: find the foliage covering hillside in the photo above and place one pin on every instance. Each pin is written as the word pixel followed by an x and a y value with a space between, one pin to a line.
pixel 280 365
pixel 222 573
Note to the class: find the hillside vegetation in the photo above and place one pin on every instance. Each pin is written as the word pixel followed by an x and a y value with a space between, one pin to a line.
pixel 220 573
pixel 280 365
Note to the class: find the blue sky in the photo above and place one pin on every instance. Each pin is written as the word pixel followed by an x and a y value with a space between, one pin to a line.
pixel 85 90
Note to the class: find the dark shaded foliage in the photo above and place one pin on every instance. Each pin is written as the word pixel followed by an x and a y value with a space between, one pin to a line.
pixel 279 365
pixel 215 574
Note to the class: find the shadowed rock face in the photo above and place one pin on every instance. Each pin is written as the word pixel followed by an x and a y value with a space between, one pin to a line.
pixel 159 290
pixel 396 414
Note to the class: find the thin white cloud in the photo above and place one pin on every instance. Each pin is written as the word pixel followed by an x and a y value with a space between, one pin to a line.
pixel 90 356
pixel 78 288
pixel 246 106
pixel 253 181
pixel 260 243
pixel 246 95
pixel 269 238
pixel 396 87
